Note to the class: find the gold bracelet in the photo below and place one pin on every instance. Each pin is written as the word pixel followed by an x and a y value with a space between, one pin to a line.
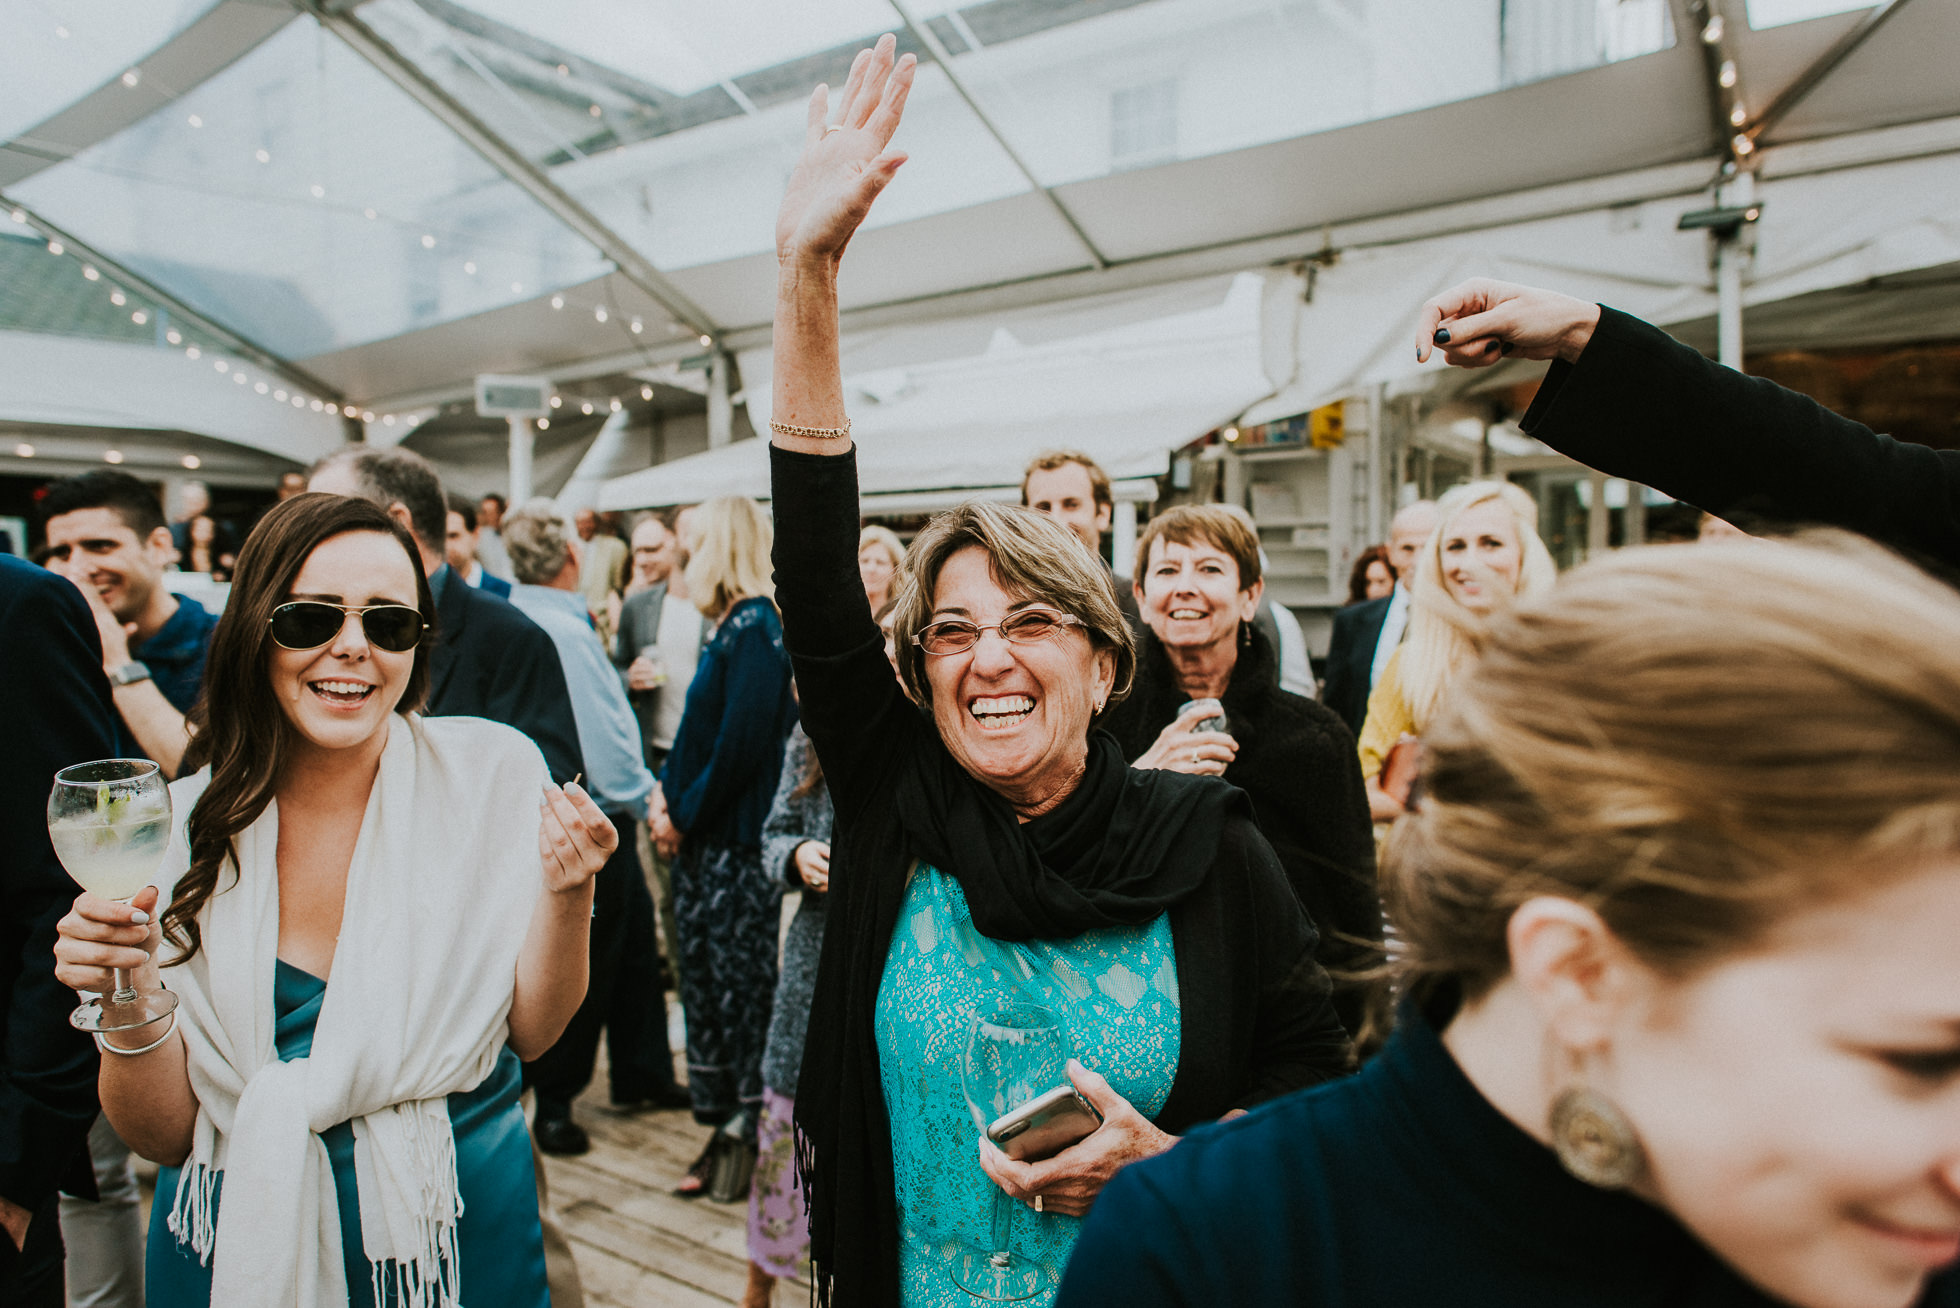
pixel 813 433
pixel 108 1048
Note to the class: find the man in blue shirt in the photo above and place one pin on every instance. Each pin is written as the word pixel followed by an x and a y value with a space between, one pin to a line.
pixel 546 563
pixel 106 533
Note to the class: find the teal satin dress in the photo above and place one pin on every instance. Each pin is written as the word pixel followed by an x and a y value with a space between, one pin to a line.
pixel 497 1237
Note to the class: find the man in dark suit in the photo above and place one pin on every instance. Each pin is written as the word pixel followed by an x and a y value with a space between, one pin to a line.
pixel 1366 634
pixel 491 661
pixel 54 698
pixel 459 547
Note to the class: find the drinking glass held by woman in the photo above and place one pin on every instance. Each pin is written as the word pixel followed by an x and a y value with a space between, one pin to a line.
pixel 1683 1016
pixel 994 847
pixel 371 916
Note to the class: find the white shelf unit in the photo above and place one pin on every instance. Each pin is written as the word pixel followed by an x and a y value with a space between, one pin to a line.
pixel 1312 509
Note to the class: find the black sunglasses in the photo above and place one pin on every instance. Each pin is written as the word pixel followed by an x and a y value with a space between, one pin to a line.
pixel 309 624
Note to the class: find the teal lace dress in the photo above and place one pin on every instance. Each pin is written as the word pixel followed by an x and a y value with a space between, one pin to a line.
pixel 1116 992
pixel 497 1237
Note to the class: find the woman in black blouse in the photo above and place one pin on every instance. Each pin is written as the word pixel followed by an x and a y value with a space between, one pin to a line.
pixel 1683 1024
pixel 1198 585
pixel 1000 802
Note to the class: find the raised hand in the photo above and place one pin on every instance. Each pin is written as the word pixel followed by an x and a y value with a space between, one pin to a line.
pixel 1181 747
pixel 1481 321
pixel 844 165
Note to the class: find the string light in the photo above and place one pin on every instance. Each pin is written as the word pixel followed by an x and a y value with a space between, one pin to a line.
pixel 600 313
pixel 112 456
pixel 638 326
pixel 299 402
pixel 195 121
pixel 56 248
pixel 193 353
pixel 470 267
pixel 596 111
pixel 318 191
pixel 586 408
pixel 261 388
pixel 556 401
pixel 616 406
pixel 24 450
pixel 192 462
pixel 706 340
pixel 544 424
pixel 239 376
pixel 1738 115
pixel 139 317
pixel 557 301
pixel 280 395
pixel 317 406
pixel 349 411
pixel 20 215
pixel 428 241
pixel 174 336
pixel 263 156
pixel 1726 74
pixel 89 273
pixel 646 392
pixel 131 78
pixel 222 366
pixel 387 420
pixel 117 298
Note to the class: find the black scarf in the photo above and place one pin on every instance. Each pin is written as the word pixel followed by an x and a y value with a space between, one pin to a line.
pixel 1123 848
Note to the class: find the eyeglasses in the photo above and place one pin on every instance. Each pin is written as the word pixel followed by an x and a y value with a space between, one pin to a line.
pixel 956 635
pixel 309 624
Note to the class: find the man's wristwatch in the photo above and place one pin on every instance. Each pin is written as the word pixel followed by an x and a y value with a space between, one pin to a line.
pixel 129 674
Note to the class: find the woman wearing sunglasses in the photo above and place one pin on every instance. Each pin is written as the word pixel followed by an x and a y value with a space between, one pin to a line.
pixel 373 917
pixel 996 847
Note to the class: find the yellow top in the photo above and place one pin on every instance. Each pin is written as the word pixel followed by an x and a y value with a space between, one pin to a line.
pixel 1389 718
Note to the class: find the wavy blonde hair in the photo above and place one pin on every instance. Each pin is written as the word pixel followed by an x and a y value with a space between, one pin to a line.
pixel 728 542
pixel 1694 740
pixel 1444 637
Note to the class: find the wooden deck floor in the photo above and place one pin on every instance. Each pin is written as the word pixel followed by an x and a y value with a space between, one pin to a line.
pixel 638 1245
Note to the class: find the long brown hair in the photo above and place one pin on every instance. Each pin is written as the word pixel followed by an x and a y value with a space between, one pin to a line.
pixel 237 726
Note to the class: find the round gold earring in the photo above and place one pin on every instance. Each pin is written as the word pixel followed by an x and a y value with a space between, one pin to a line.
pixel 1594 1139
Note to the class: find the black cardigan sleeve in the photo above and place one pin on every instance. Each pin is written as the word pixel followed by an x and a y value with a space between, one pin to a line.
pixel 856 716
pixel 1641 405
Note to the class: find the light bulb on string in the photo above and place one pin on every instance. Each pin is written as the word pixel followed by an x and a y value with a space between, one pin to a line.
pixel 239 376
pixel 19 215
pixel 24 450
pixel 139 318
pixel 89 273
pixel 174 336
pixel 557 301
pixel 600 313
pixel 317 406
pixel 469 267
pixel 586 408
pixel 117 298
pixel 299 402
pixel 112 456
pixel 428 241
pixel 349 411
pixel 193 353
pixel 195 120
pixel 616 405
pixel 318 191
pixel 192 462
pixel 544 424
pixel 706 340
pixel 263 156
pixel 387 420
pixel 556 400
pixel 637 326
pixel 280 395
pixel 366 416
pixel 646 392
pixel 132 77
pixel 221 366
pixel 261 388
pixel 56 248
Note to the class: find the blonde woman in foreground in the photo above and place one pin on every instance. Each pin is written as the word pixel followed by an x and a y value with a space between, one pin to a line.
pixel 1682 1022
pixel 1484 555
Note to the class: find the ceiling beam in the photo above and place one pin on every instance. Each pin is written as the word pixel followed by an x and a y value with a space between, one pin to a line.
pixel 1826 64
pixel 512 163
pixel 926 37
pixel 124 275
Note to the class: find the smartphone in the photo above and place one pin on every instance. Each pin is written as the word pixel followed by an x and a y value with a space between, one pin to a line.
pixel 1045 1125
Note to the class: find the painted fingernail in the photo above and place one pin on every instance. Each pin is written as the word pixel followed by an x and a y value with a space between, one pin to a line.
pixel 139 918
pixel 1442 336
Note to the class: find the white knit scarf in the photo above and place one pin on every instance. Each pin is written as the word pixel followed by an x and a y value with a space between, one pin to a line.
pixel 439 895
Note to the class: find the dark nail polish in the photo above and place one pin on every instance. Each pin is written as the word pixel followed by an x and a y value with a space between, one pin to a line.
pixel 1442 336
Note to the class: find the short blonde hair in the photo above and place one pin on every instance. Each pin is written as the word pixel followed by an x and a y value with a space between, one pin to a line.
pixel 728 542
pixel 1207 524
pixel 1692 742
pixel 1035 559
pixel 1443 635
pixel 876 534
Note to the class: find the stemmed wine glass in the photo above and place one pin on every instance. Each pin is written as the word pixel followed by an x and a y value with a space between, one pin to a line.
pixel 1016 1053
pixel 110 824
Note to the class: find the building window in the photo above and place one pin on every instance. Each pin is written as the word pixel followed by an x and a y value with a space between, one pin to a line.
pixel 1143 125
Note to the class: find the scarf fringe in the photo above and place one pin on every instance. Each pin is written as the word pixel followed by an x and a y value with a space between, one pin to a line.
pixel 803 1176
pixel 411 1287
pixel 429 1277
pixel 194 1210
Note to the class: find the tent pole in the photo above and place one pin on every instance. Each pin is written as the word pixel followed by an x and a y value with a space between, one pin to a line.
pixel 520 461
pixel 721 409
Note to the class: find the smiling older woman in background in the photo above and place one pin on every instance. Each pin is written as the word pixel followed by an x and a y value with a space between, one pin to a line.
pixel 1026 861
pixel 1198 585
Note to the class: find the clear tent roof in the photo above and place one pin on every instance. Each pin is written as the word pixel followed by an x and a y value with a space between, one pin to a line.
pixel 247 161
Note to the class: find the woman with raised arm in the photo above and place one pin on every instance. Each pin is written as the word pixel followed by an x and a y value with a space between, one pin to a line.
pixel 995 847
pixel 375 916
pixel 1682 1024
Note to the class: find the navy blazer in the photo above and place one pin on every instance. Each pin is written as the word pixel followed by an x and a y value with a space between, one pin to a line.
pixel 55 702
pixel 492 584
pixel 493 662
pixel 1351 659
